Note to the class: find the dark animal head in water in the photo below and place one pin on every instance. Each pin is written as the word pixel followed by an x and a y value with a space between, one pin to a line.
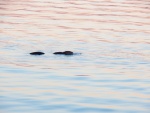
pixel 68 53
pixel 64 53
pixel 37 53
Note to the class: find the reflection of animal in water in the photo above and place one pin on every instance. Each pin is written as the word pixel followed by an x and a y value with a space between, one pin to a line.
pixel 37 53
pixel 64 53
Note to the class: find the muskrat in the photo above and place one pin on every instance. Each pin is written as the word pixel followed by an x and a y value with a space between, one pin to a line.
pixel 64 53
pixel 37 53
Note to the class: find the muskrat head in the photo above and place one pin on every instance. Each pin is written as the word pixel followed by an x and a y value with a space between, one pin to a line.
pixel 68 52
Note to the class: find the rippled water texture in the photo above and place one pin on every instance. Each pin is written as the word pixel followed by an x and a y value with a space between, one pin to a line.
pixel 110 76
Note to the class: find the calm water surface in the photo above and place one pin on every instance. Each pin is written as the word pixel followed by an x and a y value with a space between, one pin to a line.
pixel 110 76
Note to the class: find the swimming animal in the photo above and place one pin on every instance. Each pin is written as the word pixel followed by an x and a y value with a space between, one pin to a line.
pixel 37 53
pixel 64 53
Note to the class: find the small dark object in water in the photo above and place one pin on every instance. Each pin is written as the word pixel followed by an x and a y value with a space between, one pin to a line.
pixel 37 53
pixel 58 53
pixel 64 53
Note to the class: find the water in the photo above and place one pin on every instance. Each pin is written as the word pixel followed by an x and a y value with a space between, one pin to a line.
pixel 110 76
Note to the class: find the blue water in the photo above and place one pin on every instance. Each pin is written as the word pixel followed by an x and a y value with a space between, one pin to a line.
pixel 111 75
